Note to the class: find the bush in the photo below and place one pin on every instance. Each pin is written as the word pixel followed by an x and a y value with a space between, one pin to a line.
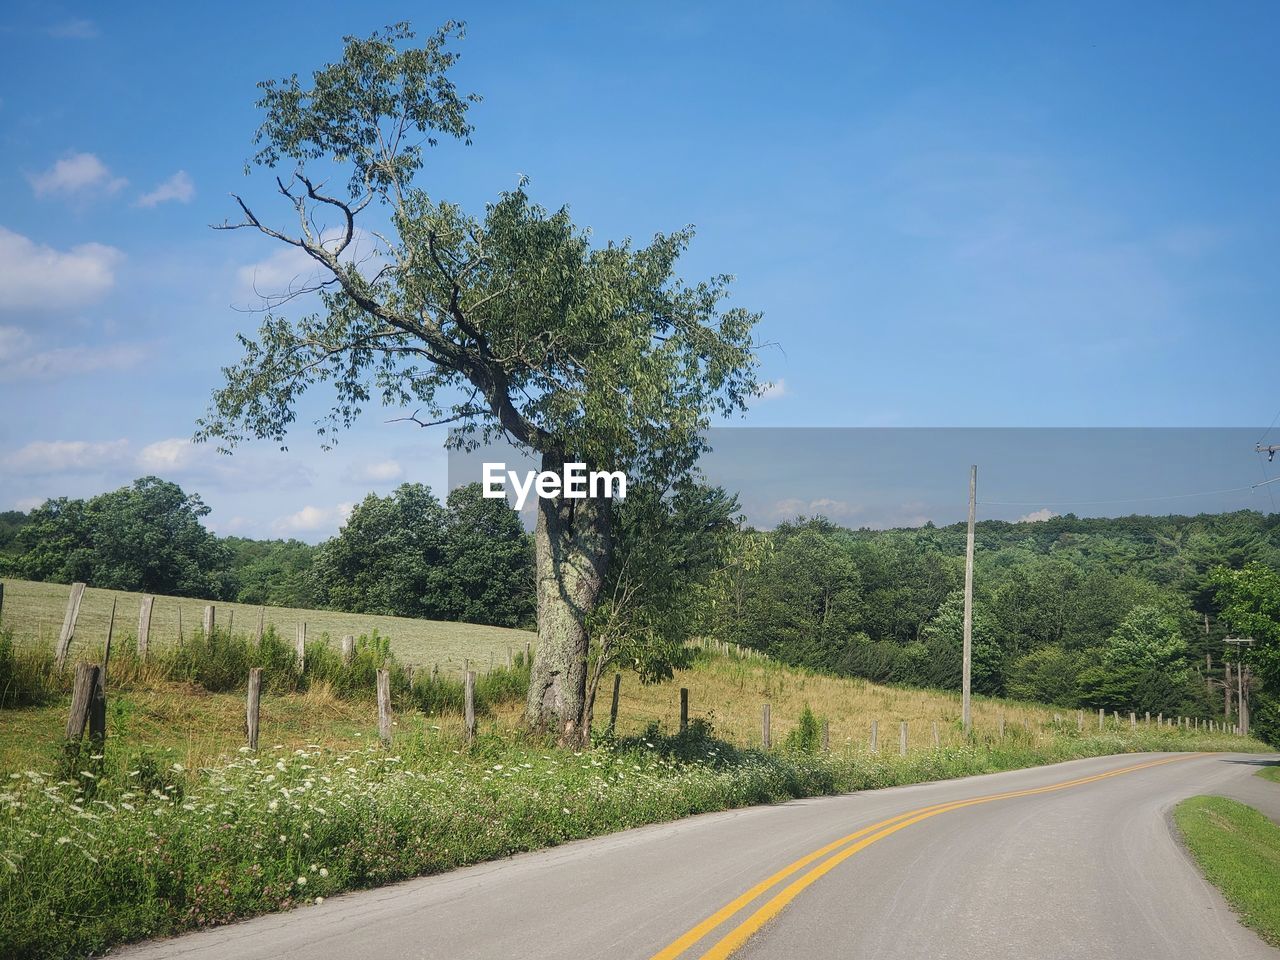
pixel 807 735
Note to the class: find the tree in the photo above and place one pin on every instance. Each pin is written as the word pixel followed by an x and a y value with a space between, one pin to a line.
pixel 511 324
pixel 488 558
pixel 147 537
pixel 1249 599
pixel 388 558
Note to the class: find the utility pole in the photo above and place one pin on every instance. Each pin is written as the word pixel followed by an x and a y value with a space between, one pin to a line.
pixel 1242 714
pixel 968 603
pixel 1270 450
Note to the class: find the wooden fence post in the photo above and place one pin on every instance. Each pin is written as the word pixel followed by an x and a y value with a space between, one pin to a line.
pixel 613 707
pixel 111 629
pixel 1000 725
pixel 261 613
pixel 826 735
pixel 179 625
pixel 231 620
pixel 469 704
pixel 384 706
pixel 69 622
pixel 766 735
pixel 528 654
pixel 511 657
pixel 1146 718
pixel 875 736
pixel 1079 721
pixel 902 739
pixel 1160 720
pixel 252 706
pixel 1 601
pixel 208 620
pixel 1133 720
pixel 937 740
pixel 144 627
pixel 86 682
pixel 300 644
pixel 98 705
pixel 348 648
pixel 684 709
pixel 1102 718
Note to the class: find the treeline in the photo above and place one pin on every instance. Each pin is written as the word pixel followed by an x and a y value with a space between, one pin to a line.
pixel 1116 613
pixel 406 554
pixel 1126 613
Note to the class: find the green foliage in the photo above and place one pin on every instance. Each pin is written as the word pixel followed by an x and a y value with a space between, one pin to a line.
pixel 145 537
pixel 1047 674
pixel 1148 640
pixel 806 736
pixel 406 555
pixel 273 573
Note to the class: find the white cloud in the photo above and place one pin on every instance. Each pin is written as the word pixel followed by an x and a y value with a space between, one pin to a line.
pixel 14 342
pixel 383 471
pixel 167 456
pixel 179 187
pixel 312 519
pixel 27 504
pixel 65 456
pixel 289 271
pixel 77 175
pixel 822 507
pixel 37 277
pixel 1036 516
pixel 79 29
pixel 63 362
pixel 774 390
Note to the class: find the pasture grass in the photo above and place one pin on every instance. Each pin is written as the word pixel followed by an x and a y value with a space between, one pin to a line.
pixel 1238 850
pixel 34 611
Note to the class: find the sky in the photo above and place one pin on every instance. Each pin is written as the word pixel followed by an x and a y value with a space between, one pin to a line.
pixel 951 215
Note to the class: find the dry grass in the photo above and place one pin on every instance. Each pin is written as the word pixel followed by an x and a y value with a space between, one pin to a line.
pixel 34 611
pixel 731 692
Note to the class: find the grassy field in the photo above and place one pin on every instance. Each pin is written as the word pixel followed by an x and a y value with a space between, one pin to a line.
pixel 34 611
pixel 1238 849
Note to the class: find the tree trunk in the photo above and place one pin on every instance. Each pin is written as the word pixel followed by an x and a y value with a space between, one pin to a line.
pixel 572 542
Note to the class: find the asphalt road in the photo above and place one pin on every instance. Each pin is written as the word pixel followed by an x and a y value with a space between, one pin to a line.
pixel 1088 870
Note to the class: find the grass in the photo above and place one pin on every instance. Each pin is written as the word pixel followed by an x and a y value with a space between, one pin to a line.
pixel 1270 773
pixel 1238 849
pixel 34 611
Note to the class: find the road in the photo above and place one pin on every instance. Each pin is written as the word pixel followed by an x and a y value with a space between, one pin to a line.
pixel 1072 860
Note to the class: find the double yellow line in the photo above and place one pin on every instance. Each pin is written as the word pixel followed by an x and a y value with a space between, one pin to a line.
pixel 851 844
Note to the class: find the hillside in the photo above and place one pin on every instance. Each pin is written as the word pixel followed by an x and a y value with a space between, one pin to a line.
pixel 34 611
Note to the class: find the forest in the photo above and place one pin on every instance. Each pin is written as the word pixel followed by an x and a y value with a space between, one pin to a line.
pixel 1126 613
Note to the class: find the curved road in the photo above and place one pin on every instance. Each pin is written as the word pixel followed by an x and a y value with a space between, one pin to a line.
pixel 1072 860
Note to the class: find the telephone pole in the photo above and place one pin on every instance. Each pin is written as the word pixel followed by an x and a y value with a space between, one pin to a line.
pixel 967 672
pixel 1242 712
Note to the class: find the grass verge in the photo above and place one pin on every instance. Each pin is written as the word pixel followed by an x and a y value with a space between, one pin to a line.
pixel 1270 773
pixel 90 858
pixel 1238 850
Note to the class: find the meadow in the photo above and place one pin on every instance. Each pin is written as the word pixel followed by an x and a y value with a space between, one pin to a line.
pixel 34 612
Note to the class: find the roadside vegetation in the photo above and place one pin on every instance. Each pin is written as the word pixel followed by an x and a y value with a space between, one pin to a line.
pixel 1238 850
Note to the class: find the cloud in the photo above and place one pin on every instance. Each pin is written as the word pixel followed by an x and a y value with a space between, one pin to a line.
pixel 18 363
pixel 312 519
pixel 383 471
pixel 27 504
pixel 168 456
pixel 78 29
pixel 1037 516
pixel 179 187
pixel 774 390
pixel 77 175
pixel 288 271
pixel 65 456
pixel 794 507
pixel 36 277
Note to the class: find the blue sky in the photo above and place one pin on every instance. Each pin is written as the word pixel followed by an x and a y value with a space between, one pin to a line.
pixel 950 214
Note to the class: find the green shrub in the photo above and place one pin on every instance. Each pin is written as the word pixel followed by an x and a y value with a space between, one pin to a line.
pixel 807 735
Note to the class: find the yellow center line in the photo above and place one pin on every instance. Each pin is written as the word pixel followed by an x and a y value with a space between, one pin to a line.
pixel 860 840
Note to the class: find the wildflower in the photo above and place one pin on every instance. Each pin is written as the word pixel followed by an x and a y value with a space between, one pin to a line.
pixel 319 900
pixel 62 840
pixel 302 881
pixel 324 871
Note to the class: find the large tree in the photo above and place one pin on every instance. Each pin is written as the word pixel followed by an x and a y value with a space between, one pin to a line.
pixel 512 323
